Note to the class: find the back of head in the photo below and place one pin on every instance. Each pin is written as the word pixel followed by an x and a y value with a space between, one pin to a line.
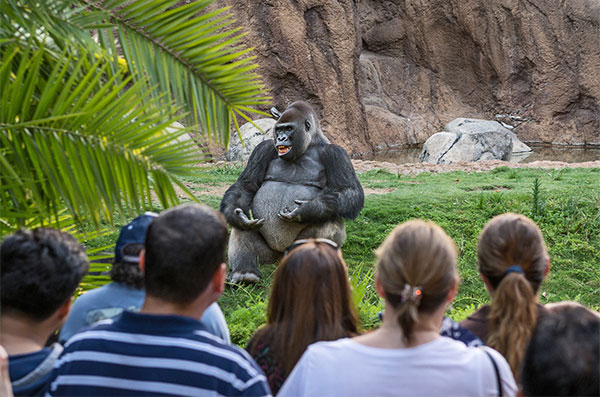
pixel 310 301
pixel 130 243
pixel 184 247
pixel 416 267
pixel 40 269
pixel 563 356
pixel 512 256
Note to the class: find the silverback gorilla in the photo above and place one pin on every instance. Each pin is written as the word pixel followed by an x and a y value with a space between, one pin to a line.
pixel 297 185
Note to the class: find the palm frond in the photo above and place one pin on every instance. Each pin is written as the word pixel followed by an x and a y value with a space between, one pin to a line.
pixel 188 53
pixel 87 146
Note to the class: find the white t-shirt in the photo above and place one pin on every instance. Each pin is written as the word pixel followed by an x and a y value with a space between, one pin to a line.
pixel 443 367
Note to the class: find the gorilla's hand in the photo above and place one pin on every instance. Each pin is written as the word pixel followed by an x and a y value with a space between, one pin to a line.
pixel 320 209
pixel 244 223
pixel 293 215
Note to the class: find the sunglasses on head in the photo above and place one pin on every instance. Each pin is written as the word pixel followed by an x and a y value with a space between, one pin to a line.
pixel 300 242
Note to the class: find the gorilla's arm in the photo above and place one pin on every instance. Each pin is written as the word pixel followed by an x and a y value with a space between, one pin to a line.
pixel 342 181
pixel 238 198
pixel 343 196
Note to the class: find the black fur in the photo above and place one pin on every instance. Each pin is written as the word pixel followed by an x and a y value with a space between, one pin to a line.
pixel 241 193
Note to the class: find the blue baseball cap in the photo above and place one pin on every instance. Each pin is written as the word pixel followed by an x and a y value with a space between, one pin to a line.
pixel 133 233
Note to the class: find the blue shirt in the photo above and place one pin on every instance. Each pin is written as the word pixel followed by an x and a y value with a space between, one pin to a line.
pixel 144 354
pixel 29 373
pixel 111 299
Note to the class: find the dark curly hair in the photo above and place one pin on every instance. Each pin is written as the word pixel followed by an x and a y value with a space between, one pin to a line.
pixel 40 270
pixel 129 273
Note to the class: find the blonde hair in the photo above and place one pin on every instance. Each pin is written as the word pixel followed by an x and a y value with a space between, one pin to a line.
pixel 417 255
pixel 512 241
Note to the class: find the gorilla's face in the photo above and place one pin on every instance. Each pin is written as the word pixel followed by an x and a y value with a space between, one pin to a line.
pixel 293 131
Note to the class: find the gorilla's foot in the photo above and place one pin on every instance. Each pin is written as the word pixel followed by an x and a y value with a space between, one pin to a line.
pixel 244 277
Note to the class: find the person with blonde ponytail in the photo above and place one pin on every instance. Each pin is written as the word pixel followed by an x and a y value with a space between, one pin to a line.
pixel 417 278
pixel 513 262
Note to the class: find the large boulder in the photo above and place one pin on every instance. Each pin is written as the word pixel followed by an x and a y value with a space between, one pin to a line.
pixel 467 126
pixel 252 136
pixel 450 147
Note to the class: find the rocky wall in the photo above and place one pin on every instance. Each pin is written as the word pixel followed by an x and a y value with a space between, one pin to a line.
pixel 394 72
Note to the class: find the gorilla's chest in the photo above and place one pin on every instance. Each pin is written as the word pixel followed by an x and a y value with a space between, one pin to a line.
pixel 307 171
pixel 285 182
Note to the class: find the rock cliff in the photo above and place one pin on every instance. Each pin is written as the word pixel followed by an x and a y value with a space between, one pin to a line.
pixel 394 72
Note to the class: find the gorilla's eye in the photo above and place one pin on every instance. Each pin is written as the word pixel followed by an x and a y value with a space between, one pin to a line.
pixel 307 124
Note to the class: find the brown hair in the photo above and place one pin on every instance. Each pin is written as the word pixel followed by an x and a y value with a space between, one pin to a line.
pixel 512 240
pixel 310 301
pixel 418 254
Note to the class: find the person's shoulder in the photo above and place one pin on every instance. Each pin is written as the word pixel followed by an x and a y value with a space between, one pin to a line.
pixel 234 354
pixel 480 314
pixel 90 296
pixel 456 331
pixel 326 348
pixel 94 331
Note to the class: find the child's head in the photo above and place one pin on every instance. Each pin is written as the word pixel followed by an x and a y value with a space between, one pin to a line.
pixel 416 269
pixel 512 240
pixel 562 356
pixel 513 261
pixel 313 275
pixel 310 300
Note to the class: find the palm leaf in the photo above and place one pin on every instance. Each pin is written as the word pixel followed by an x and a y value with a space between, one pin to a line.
pixel 188 53
pixel 94 149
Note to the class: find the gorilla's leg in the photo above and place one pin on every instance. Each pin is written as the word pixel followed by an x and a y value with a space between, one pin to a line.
pixel 246 250
pixel 334 230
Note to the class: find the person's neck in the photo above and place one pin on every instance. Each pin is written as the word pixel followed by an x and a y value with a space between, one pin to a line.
pixel 194 309
pixel 391 336
pixel 20 334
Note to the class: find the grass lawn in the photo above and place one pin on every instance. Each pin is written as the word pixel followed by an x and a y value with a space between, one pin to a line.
pixel 565 204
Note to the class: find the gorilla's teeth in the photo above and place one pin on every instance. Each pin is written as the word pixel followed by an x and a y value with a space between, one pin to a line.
pixel 283 149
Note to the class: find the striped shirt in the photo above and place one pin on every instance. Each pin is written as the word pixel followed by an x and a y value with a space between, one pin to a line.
pixel 143 354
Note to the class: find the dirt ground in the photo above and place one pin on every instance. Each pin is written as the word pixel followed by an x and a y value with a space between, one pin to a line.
pixel 416 168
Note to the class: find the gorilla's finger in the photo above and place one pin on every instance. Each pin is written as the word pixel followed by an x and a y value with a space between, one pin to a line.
pixel 300 202
pixel 256 223
pixel 284 215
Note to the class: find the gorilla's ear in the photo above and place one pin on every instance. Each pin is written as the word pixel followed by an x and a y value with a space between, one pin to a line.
pixel 276 113
pixel 307 125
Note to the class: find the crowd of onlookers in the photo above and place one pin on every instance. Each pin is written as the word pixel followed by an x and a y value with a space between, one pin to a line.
pixel 156 329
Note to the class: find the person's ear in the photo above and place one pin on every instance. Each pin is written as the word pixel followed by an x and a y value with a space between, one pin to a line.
pixel 547 267
pixel 453 291
pixel 487 283
pixel 64 310
pixel 218 280
pixel 378 286
pixel 142 262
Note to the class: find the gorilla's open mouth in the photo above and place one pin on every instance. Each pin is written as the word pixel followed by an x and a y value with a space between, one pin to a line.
pixel 282 149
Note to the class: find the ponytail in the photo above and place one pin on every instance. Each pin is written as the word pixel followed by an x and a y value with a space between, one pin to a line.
pixel 512 255
pixel 416 266
pixel 512 318
pixel 407 317
pixel 408 309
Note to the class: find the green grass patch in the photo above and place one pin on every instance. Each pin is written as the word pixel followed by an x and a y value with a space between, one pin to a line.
pixel 565 204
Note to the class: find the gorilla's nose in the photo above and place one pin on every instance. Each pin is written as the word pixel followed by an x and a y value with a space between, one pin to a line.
pixel 282 138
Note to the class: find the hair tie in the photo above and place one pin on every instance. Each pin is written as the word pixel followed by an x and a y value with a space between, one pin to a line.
pixel 413 294
pixel 514 269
